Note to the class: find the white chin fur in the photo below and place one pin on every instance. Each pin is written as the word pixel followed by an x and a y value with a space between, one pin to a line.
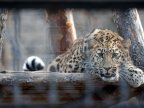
pixel 111 79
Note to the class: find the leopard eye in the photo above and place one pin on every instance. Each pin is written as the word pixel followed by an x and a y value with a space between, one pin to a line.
pixel 100 54
pixel 114 55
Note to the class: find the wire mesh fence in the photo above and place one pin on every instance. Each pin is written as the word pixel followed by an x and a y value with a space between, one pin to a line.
pixel 28 34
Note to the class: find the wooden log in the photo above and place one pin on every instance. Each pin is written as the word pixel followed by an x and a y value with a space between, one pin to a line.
pixel 129 27
pixel 60 89
pixel 61 29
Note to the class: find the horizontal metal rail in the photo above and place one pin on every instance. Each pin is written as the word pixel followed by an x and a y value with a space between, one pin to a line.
pixel 77 4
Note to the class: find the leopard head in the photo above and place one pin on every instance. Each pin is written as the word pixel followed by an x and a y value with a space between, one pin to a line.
pixel 106 51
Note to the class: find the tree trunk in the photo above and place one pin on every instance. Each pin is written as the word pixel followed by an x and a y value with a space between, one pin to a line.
pixel 61 29
pixel 3 18
pixel 129 26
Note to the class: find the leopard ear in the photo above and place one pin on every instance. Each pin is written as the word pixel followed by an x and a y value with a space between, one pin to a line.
pixel 86 45
pixel 90 40
pixel 89 43
pixel 126 43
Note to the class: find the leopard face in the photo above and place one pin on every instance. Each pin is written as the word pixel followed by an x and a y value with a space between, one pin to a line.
pixel 106 51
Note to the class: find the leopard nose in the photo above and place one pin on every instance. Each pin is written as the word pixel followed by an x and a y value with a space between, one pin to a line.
pixel 107 68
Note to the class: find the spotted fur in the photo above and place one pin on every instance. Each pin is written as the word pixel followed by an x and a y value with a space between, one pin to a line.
pixel 102 53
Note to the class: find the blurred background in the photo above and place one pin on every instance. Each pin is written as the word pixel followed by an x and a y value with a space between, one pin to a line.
pixel 27 33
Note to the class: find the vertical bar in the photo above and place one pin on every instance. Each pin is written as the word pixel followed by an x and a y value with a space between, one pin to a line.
pixel 17 95
pixel 53 93
pixel 16 41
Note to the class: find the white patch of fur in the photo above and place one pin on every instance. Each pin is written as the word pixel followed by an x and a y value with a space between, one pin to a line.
pixel 29 62
pixel 111 79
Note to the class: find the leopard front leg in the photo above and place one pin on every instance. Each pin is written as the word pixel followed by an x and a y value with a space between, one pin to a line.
pixel 133 75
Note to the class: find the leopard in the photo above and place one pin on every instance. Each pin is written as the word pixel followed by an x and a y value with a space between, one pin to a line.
pixel 102 53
